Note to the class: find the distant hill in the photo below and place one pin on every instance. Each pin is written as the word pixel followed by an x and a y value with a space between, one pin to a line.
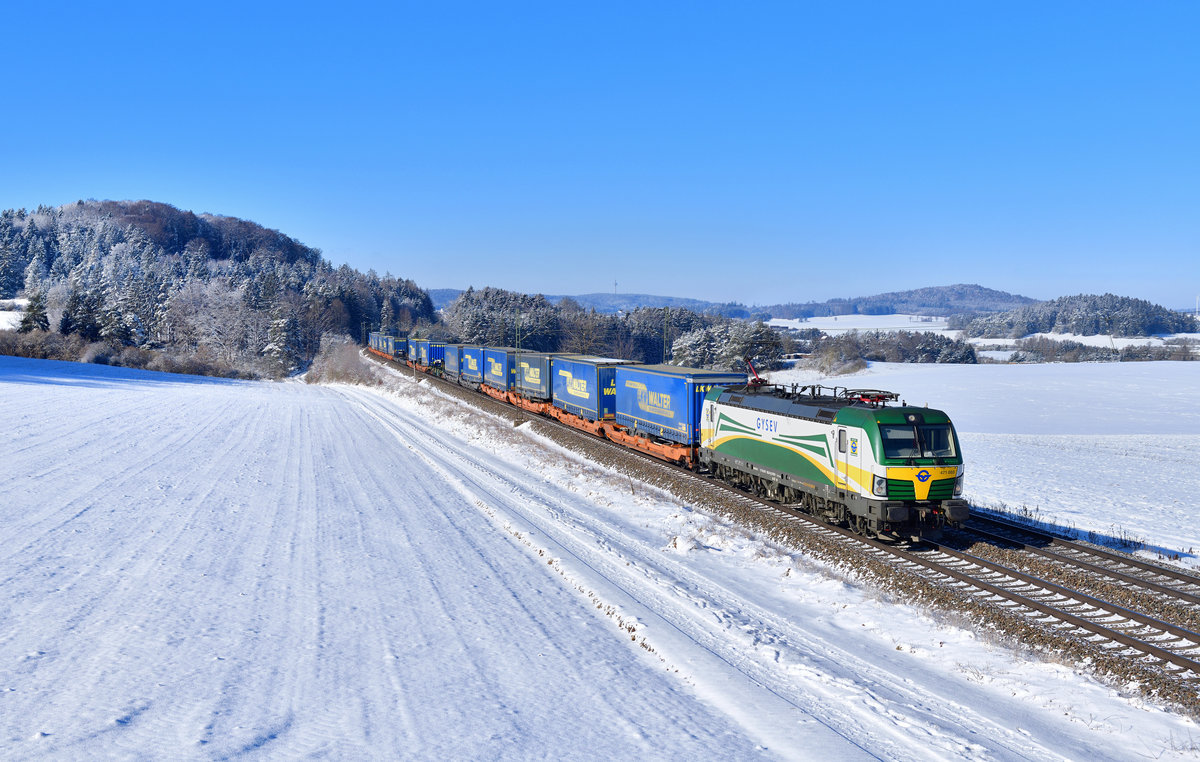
pixel 442 297
pixel 934 300
pixel 610 304
pixel 1084 315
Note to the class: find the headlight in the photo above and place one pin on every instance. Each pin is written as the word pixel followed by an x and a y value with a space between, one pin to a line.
pixel 880 486
pixel 958 484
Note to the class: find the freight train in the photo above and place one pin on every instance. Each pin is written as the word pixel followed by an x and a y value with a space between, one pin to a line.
pixel 851 456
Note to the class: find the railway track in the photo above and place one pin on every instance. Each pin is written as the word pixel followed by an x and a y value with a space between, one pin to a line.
pixel 1131 633
pixel 1122 568
pixel 1175 648
pixel 1069 612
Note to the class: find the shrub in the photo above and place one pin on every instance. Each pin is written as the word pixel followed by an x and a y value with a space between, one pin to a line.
pixel 340 361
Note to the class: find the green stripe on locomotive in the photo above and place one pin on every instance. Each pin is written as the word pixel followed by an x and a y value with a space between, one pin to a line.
pixel 806 457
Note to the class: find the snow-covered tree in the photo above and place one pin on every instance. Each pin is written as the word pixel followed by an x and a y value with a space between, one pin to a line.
pixel 34 317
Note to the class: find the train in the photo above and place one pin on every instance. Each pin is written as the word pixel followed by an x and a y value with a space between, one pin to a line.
pixel 859 458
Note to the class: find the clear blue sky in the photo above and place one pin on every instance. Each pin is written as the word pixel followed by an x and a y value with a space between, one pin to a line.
pixel 758 152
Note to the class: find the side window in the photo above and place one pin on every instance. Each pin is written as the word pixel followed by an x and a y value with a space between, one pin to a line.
pixel 841 440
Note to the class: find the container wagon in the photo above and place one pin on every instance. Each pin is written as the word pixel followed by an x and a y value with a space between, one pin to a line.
pixel 665 401
pixel 585 386
pixel 470 367
pixel 533 374
pixel 500 368
pixel 453 360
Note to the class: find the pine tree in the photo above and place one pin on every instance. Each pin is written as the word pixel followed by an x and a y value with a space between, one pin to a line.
pixel 35 318
pixel 10 269
pixel 386 316
pixel 81 315
pixel 280 349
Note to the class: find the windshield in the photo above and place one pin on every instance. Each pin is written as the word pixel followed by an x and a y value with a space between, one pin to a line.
pixel 921 441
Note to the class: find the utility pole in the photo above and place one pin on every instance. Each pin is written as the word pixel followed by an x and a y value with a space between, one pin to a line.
pixel 666 315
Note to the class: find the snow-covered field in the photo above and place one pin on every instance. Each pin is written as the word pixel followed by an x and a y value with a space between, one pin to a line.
pixel 836 324
pixel 1111 342
pixel 194 568
pixel 10 319
pixel 996 349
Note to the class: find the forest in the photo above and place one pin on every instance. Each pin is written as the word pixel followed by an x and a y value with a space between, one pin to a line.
pixel 1083 315
pixel 128 281
pixel 143 284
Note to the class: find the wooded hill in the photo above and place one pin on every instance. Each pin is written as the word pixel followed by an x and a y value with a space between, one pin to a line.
pixel 935 300
pixel 226 291
pixel 1084 315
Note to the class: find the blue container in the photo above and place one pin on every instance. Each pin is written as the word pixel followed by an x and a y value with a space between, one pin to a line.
pixel 665 400
pixel 453 358
pixel 430 353
pixel 384 344
pixel 533 373
pixel 412 350
pixel 500 367
pixel 585 386
pixel 470 367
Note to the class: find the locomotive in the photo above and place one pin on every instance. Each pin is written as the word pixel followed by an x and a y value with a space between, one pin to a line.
pixel 849 456
pixel 841 454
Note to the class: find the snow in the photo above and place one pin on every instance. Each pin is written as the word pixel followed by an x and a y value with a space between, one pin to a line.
pixel 199 568
pixel 11 318
pixel 999 349
pixel 1111 342
pixel 837 324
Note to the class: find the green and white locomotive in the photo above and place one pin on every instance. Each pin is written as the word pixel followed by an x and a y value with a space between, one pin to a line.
pixel 842 454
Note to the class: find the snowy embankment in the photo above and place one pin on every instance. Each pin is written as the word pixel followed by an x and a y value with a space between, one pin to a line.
pixel 198 568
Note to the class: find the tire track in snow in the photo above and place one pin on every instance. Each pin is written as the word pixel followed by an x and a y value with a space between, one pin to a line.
pixel 129 565
pixel 469 532
pixel 737 628
pixel 469 475
pixel 431 492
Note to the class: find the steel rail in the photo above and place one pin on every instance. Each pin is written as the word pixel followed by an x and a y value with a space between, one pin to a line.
pixel 1107 608
pixel 1172 592
pixel 1109 555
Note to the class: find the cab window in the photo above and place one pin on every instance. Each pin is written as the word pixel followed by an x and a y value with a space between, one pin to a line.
pixel 909 441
